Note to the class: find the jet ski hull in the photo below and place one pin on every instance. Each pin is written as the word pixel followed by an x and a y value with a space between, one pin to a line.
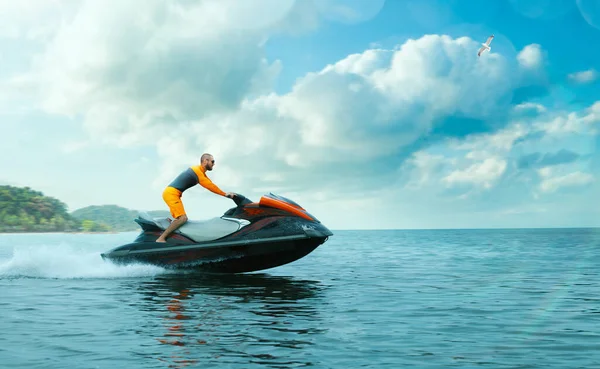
pixel 231 258
pixel 264 238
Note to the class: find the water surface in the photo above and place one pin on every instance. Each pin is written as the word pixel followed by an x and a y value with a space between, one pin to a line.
pixel 365 299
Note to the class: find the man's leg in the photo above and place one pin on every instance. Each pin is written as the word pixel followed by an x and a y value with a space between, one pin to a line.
pixel 173 199
pixel 178 222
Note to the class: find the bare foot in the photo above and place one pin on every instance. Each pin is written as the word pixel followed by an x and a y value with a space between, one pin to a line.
pixel 161 241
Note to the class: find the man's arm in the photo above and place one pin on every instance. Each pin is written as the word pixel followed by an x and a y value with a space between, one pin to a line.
pixel 209 185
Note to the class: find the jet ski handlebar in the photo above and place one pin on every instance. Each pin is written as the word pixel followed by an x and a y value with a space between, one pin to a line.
pixel 240 200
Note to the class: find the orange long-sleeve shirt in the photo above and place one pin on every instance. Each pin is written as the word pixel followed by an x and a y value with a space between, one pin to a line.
pixel 192 176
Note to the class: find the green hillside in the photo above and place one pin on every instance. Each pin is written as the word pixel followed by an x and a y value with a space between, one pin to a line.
pixel 117 218
pixel 114 217
pixel 25 210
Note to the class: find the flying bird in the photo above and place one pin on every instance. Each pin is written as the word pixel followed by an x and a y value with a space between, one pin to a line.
pixel 486 46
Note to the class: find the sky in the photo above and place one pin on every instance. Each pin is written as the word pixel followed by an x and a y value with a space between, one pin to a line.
pixel 371 114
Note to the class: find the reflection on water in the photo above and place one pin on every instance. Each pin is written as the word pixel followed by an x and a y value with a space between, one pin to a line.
pixel 255 318
pixel 371 299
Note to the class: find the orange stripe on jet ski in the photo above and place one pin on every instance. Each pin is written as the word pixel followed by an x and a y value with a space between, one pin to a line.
pixel 267 201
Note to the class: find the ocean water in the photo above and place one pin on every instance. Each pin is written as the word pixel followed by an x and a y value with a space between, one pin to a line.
pixel 365 299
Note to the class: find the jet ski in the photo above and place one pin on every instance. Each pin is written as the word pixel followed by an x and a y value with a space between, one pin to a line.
pixel 251 236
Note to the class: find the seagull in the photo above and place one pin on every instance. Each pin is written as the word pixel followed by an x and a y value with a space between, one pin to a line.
pixel 486 46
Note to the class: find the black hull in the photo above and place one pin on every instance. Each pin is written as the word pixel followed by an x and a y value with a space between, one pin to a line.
pixel 218 259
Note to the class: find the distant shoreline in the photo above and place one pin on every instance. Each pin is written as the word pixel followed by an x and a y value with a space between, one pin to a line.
pixel 27 211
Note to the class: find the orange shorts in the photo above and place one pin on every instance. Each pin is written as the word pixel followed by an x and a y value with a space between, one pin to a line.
pixel 172 197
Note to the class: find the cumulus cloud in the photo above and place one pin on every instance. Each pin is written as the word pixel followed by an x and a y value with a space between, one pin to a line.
pixel 484 173
pixel 422 169
pixel 531 56
pixel 190 78
pixel 191 84
pixel 361 116
pixel 552 183
pixel 533 155
pixel 135 66
pixel 34 20
pixel 472 165
pixel 421 119
pixel 564 123
pixel 529 108
pixel 499 142
pixel 585 76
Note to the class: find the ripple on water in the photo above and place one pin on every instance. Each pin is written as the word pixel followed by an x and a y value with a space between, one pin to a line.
pixel 385 299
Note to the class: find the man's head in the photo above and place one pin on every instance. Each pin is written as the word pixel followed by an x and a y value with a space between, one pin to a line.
pixel 207 161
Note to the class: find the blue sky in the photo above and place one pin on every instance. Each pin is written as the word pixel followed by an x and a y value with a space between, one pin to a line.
pixel 370 113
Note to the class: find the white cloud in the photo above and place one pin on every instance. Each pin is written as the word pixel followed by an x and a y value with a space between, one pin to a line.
pixel 563 123
pixel 478 161
pixel 189 79
pixel 485 162
pixel 551 183
pixel 365 103
pixel 529 106
pixel 531 56
pixel 359 111
pixel 545 172
pixel 585 76
pixel 482 174
pixel 500 141
pixel 423 169
pixel 493 161
pixel 142 67
pixel 34 20
pixel 182 78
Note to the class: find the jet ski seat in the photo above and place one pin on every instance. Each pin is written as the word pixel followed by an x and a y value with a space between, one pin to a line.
pixel 200 230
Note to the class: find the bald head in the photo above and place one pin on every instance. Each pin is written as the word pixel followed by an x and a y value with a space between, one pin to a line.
pixel 207 161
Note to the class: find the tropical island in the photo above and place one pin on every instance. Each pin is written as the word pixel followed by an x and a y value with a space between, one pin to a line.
pixel 23 209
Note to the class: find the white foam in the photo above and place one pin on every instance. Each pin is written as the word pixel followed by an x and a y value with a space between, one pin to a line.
pixel 66 261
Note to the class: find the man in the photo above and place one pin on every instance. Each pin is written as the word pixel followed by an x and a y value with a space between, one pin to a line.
pixel 188 178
